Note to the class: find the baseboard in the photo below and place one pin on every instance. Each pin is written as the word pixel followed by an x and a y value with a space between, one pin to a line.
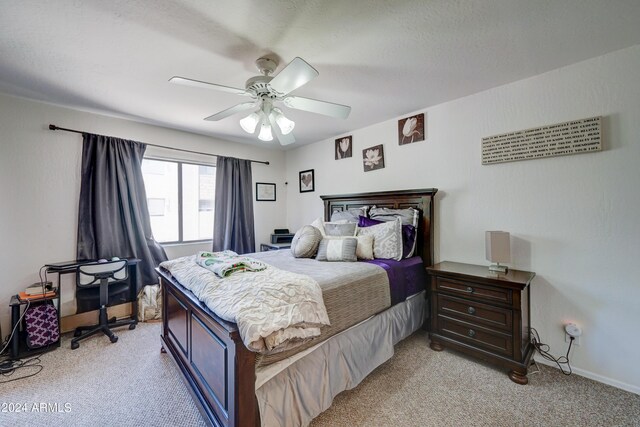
pixel 592 376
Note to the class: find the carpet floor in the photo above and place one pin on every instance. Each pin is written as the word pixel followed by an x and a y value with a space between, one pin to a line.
pixel 131 383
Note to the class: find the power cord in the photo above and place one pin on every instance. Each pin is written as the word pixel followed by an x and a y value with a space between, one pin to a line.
pixel 544 349
pixel 10 367
pixel 14 330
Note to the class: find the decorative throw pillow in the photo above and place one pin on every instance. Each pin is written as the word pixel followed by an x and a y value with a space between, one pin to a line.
pixel 409 215
pixel 317 223
pixel 410 218
pixel 337 229
pixel 305 242
pixel 337 249
pixel 409 235
pixel 350 215
pixel 387 239
pixel 364 250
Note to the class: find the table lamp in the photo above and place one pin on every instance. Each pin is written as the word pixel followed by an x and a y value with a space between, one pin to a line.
pixel 498 249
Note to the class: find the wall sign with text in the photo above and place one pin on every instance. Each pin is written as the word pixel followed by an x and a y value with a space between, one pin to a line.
pixel 574 137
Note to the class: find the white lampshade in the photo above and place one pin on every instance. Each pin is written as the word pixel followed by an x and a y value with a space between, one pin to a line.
pixel 265 132
pixel 497 247
pixel 285 125
pixel 250 122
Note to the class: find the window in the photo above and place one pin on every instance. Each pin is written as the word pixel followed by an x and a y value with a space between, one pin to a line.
pixel 181 198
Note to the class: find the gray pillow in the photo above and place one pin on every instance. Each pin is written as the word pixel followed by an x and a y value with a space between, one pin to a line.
pixel 337 249
pixel 409 215
pixel 334 229
pixel 387 239
pixel 305 242
pixel 350 215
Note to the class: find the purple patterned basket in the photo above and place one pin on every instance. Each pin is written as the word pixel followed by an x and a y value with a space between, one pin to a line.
pixel 41 323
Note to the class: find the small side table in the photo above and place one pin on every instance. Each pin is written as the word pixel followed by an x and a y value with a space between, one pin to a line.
pixel 483 314
pixel 273 246
pixel 18 348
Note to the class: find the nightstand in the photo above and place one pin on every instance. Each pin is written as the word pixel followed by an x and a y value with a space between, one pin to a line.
pixel 483 314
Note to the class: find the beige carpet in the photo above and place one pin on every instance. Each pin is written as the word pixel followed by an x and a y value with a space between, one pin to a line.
pixel 131 383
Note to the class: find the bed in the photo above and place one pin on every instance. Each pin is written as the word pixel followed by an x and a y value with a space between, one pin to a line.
pixel 219 369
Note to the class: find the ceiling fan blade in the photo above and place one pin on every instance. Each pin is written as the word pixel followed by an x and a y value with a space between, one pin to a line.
pixel 197 83
pixel 294 75
pixel 231 111
pixel 284 139
pixel 321 107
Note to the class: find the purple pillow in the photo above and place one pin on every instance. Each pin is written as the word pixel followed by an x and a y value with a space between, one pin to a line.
pixel 408 233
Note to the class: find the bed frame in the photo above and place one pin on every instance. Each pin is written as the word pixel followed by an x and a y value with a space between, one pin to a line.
pixel 217 367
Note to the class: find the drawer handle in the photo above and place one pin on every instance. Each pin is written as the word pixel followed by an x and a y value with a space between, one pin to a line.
pixel 471 310
pixel 470 289
pixel 472 333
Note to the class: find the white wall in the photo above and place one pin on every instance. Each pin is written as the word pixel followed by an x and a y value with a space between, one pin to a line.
pixel 574 220
pixel 40 185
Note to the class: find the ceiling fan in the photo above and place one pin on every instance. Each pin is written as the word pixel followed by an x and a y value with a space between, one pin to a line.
pixel 266 90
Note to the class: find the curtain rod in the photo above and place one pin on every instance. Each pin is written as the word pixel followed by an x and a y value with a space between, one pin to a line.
pixel 54 127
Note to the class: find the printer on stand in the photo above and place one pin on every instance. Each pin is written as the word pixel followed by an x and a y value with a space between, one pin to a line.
pixel 280 239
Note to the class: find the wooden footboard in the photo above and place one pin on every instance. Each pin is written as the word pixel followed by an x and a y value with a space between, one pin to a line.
pixel 216 365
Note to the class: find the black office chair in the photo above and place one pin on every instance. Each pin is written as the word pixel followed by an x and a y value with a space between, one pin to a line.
pixel 106 275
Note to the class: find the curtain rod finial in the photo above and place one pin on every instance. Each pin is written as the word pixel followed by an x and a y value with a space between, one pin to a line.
pixel 53 127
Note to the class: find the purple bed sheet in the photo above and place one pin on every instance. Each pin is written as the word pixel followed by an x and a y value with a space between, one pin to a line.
pixel 406 277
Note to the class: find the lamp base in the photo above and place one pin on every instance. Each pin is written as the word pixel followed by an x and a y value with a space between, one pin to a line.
pixel 497 268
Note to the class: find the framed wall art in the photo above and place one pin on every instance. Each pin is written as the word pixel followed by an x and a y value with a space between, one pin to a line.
pixel 343 147
pixel 411 129
pixel 373 158
pixel 307 182
pixel 265 192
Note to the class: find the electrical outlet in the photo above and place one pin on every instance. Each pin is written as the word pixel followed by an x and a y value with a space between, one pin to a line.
pixel 576 340
pixel 572 330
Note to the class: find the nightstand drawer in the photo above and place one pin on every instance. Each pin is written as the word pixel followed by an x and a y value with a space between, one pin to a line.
pixel 475 312
pixel 476 335
pixel 474 291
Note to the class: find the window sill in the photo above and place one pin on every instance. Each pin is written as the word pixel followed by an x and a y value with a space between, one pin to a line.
pixel 177 244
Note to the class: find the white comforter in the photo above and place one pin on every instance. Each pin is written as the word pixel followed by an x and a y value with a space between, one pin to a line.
pixel 274 309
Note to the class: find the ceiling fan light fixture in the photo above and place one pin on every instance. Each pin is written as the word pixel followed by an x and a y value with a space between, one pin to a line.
pixel 285 125
pixel 250 122
pixel 265 132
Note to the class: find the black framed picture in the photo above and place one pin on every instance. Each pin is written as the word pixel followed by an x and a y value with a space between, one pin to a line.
pixel 343 147
pixel 265 192
pixel 373 158
pixel 307 182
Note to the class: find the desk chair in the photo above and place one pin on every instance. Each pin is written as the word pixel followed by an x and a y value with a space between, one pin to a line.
pixel 105 275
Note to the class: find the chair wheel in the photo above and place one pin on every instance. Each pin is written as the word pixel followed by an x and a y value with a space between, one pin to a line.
pixel 77 333
pixel 132 326
pixel 74 345
pixel 114 339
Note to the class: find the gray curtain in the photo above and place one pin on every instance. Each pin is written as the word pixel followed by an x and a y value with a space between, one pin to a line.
pixel 233 222
pixel 113 217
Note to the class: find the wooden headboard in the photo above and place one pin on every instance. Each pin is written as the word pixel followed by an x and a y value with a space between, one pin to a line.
pixel 421 199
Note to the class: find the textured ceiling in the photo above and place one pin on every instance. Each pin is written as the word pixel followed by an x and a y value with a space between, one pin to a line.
pixel 383 58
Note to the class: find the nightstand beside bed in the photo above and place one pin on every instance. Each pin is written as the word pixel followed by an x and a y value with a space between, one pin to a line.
pixel 483 314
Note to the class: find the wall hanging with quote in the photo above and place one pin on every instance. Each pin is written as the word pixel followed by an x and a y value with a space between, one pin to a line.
pixel 561 139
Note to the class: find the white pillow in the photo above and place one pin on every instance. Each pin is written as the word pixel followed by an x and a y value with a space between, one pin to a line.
pixel 387 239
pixel 317 223
pixel 364 250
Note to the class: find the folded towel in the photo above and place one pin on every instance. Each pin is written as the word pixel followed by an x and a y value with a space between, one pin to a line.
pixel 225 263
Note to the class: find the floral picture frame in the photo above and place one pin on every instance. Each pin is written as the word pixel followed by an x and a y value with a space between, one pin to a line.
pixel 344 147
pixel 373 158
pixel 411 129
